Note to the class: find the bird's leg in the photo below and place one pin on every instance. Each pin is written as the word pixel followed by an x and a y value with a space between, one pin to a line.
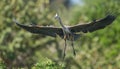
pixel 73 46
pixel 64 47
pixel 64 54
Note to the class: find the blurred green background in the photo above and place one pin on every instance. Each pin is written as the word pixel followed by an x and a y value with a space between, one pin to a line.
pixel 21 49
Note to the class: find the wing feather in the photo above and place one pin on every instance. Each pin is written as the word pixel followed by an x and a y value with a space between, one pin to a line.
pixel 93 26
pixel 45 30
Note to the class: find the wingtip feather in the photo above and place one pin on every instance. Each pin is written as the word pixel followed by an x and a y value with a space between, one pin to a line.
pixel 113 17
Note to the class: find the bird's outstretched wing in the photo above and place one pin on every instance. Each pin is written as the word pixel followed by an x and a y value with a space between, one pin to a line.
pixel 45 30
pixel 93 26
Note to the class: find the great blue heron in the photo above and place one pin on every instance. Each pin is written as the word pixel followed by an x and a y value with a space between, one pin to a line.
pixel 68 33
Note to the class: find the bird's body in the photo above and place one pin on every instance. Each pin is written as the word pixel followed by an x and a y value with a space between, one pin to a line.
pixel 68 33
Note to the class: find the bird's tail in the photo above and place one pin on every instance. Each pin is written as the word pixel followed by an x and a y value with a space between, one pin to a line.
pixel 76 36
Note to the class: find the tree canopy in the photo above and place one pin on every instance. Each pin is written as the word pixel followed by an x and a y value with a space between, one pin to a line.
pixel 21 49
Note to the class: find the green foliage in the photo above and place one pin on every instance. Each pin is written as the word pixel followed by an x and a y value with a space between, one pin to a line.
pixel 21 49
pixel 47 64
pixel 101 46
pixel 2 65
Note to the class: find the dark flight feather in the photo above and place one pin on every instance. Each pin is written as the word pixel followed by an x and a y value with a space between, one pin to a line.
pixel 93 26
pixel 53 31
pixel 45 30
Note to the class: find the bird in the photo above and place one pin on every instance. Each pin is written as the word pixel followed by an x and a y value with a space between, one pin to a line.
pixel 68 32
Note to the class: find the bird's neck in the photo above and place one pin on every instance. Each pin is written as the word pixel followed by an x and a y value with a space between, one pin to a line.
pixel 64 28
pixel 61 23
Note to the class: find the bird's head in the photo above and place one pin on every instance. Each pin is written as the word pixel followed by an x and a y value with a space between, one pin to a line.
pixel 57 16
